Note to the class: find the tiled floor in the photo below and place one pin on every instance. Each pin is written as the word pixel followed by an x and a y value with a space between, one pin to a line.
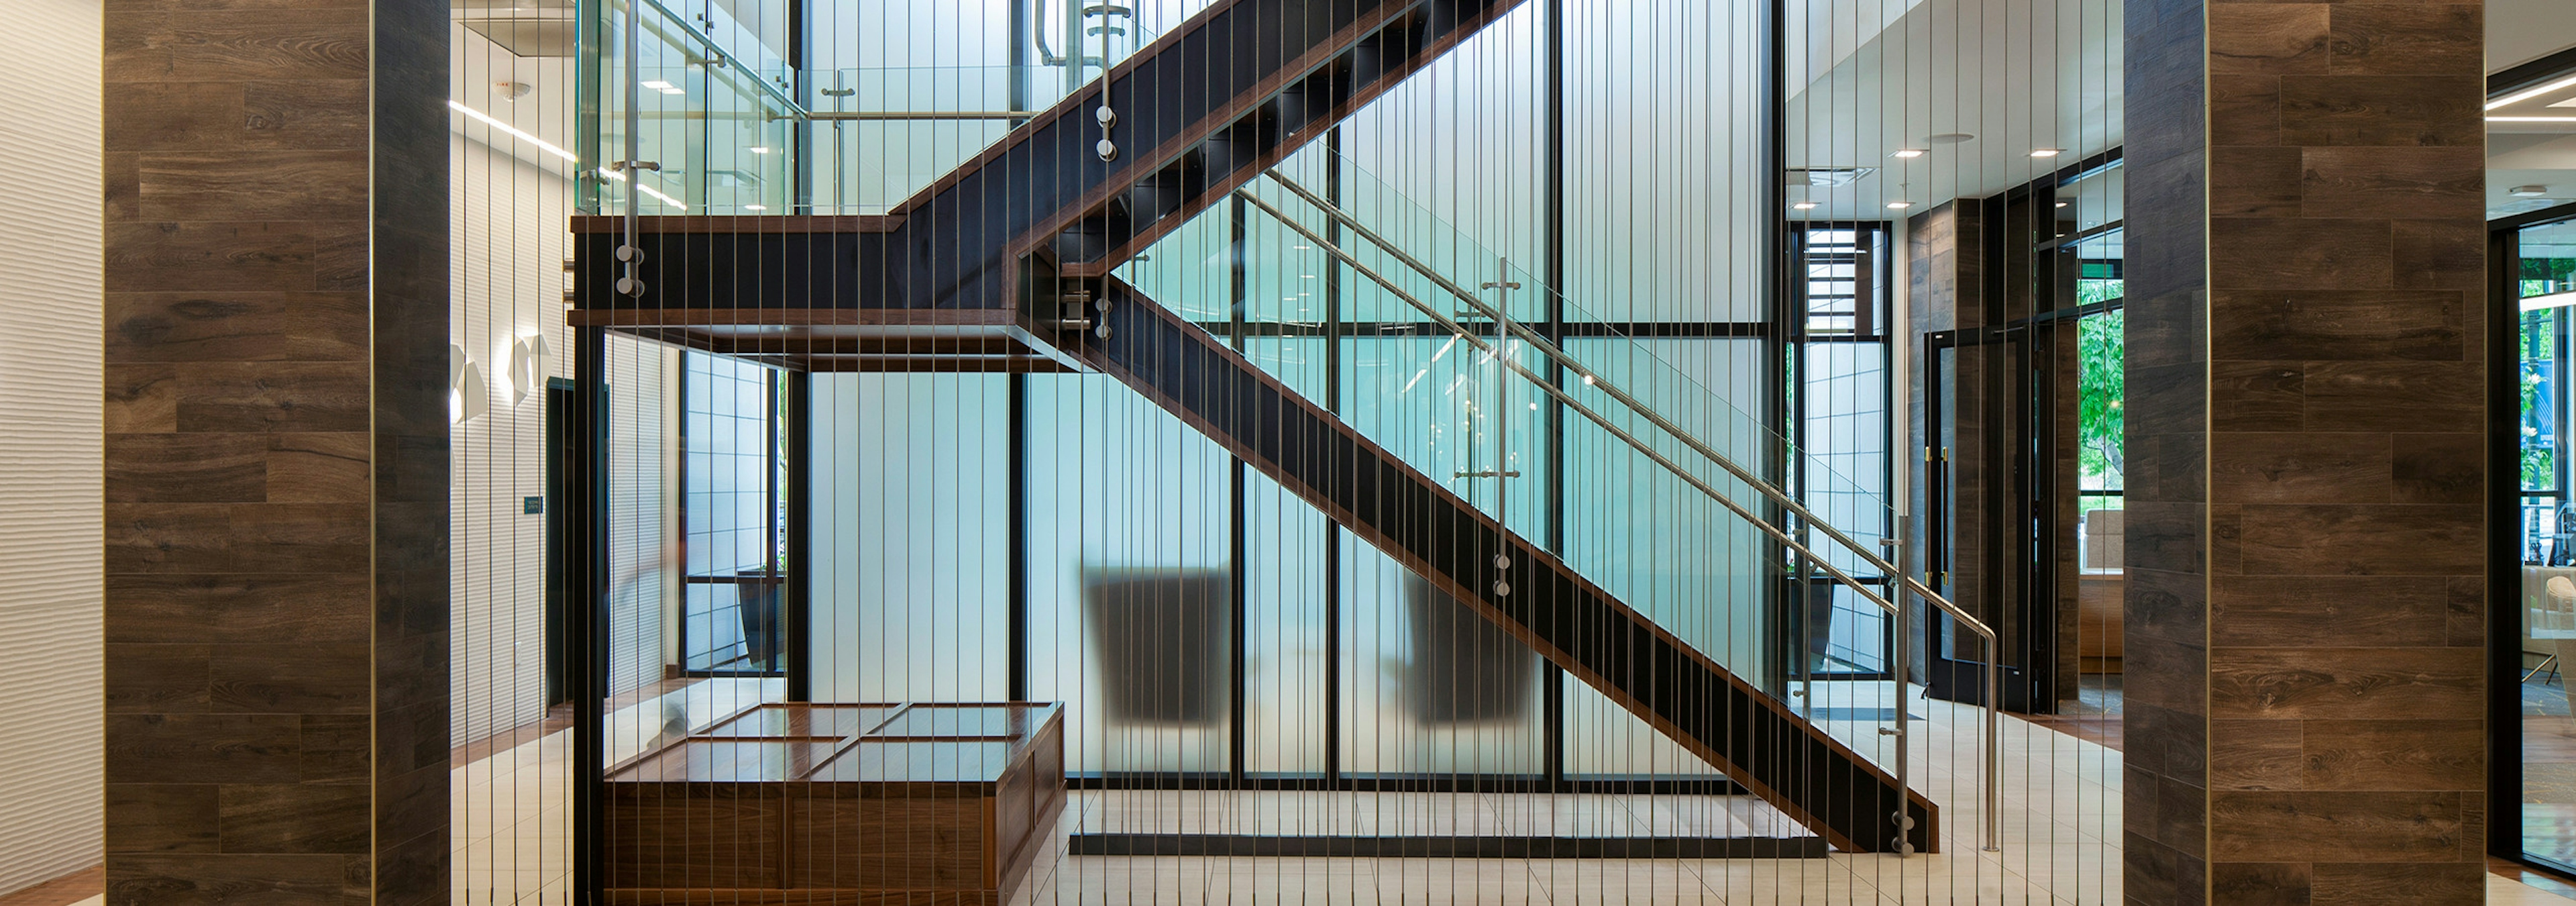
pixel 2059 829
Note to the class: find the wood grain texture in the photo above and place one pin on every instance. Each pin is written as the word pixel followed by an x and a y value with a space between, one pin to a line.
pixel 2382 111
pixel 240 748
pixel 2281 467
pixel 2393 755
pixel 235 328
pixel 270 44
pixel 2260 883
pixel 2393 183
pixel 187 468
pixel 2390 396
pixel 2300 253
pixel 2407 38
pixel 2361 540
pixel 251 185
pixel 294 818
pixel 2335 826
pixel 2301 611
pixel 209 257
pixel 2328 325
pixel 2268 39
pixel 210 879
pixel 2455 883
pixel 2254 755
pixel 239 608
pixel 246 184
pixel 163 817
pixel 2344 683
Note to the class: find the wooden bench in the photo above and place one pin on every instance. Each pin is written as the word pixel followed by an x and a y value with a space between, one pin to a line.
pixel 834 803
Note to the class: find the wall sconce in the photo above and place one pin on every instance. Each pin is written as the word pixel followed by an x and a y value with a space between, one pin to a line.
pixel 527 367
pixel 467 395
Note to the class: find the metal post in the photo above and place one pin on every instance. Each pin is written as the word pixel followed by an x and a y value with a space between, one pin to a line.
pixel 1502 286
pixel 1902 668
pixel 1994 756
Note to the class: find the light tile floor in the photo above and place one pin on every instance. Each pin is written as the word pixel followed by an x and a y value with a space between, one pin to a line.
pixel 2058 828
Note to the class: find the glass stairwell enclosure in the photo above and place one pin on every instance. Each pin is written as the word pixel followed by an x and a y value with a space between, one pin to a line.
pixel 1545 273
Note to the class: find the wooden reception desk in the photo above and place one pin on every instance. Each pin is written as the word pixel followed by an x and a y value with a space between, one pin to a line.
pixel 853 804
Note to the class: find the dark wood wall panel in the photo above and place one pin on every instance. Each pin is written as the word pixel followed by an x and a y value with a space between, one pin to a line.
pixel 2306 402
pixel 276 451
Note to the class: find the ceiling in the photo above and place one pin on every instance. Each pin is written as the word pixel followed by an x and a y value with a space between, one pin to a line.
pixel 2521 152
pixel 1976 85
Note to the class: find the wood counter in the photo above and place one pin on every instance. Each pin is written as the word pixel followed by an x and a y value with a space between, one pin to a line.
pixel 873 804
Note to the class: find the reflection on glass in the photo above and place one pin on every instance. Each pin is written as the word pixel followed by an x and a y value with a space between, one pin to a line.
pixel 2546 288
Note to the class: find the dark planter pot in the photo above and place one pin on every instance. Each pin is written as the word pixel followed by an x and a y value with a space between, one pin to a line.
pixel 758 596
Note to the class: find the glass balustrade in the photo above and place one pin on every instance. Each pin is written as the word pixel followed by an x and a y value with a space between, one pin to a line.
pixel 1618 445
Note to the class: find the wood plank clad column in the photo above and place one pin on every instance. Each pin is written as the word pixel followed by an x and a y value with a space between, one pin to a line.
pixel 2306 551
pixel 275 418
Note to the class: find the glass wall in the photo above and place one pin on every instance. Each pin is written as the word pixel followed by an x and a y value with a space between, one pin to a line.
pixel 2543 306
pixel 732 513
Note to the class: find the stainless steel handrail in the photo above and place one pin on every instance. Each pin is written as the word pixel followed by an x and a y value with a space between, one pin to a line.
pixel 1908 585
pixel 1594 380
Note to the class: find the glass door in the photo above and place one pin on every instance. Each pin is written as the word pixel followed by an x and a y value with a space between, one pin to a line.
pixel 2536 271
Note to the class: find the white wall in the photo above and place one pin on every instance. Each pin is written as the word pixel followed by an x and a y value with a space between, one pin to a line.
pixel 507 221
pixel 509 204
pixel 50 298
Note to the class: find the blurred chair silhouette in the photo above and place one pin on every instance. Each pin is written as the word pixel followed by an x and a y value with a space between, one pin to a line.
pixel 1163 638
pixel 1465 669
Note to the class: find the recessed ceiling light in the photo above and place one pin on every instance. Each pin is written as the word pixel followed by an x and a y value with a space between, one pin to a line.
pixel 2521 96
pixel 1909 153
pixel 1899 205
pixel 2046 152
pixel 663 87
pixel 755 207
pixel 2064 203
pixel 759 149
pixel 2528 191
pixel 1804 206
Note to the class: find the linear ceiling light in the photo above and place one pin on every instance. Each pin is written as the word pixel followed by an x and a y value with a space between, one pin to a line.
pixel 514 131
pixel 2531 119
pixel 2521 96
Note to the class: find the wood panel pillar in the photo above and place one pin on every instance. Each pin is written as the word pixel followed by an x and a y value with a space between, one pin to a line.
pixel 276 451
pixel 2305 678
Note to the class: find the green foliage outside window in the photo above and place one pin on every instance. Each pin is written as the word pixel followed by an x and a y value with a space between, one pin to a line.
pixel 2098 421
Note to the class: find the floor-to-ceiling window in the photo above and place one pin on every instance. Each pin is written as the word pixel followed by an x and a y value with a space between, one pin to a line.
pixel 1842 428
pixel 732 515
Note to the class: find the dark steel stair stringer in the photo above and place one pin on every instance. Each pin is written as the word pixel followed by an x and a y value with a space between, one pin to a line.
pixel 1755 739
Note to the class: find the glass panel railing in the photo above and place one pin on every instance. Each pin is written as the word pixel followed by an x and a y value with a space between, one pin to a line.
pixel 1634 457
pixel 880 135
pixel 716 129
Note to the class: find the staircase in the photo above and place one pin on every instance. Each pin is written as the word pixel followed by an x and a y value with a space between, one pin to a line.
pixel 1005 265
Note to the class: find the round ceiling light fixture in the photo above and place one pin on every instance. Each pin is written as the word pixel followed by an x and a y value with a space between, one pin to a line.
pixel 1952 138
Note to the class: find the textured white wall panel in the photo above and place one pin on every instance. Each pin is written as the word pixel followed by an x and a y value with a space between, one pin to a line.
pixel 50 297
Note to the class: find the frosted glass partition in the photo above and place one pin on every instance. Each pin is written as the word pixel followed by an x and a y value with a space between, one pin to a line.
pixel 911 502
pixel 1428 687
pixel 1286 635
pixel 1130 596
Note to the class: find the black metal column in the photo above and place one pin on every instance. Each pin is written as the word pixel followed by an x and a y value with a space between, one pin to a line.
pixel 587 560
